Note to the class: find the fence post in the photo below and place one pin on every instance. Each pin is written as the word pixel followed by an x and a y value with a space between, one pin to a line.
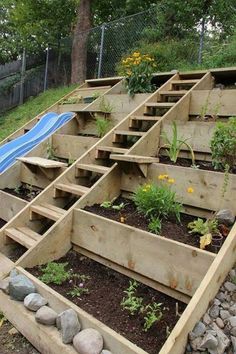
pixel 101 51
pixel 46 70
pixel 22 79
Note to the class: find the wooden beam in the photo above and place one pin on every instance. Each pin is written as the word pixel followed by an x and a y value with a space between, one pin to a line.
pixel 10 205
pixel 152 256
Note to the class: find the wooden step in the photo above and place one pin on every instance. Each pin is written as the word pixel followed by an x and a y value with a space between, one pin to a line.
pixel 134 158
pixel 129 133
pixel 47 210
pixel 184 82
pixel 112 149
pixel 96 88
pixel 93 168
pixel 146 118
pixel 160 104
pixel 72 188
pixel 173 93
pixel 41 162
pixel 19 235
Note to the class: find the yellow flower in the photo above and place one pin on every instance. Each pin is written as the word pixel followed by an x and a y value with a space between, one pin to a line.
pixel 171 180
pixel 122 219
pixel 166 176
pixel 136 54
pixel 161 177
pixel 190 190
pixel 148 186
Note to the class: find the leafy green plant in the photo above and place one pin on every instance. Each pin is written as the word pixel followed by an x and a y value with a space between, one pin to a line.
pixel 158 201
pixel 17 189
pixel 73 100
pixel 204 228
pixel 223 145
pixel 132 303
pixel 105 106
pixel 106 204
pixel 174 146
pixel 154 225
pixel 55 273
pixel 102 125
pixel 78 291
pixel 109 204
pixel 96 94
pixel 119 206
pixel 138 70
pixel 153 315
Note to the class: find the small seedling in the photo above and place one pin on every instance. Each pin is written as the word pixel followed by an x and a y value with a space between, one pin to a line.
pixel 78 291
pixel 204 228
pixel 106 204
pixel 17 189
pixel 55 273
pixel 154 225
pixel 132 303
pixel 119 206
pixel 153 315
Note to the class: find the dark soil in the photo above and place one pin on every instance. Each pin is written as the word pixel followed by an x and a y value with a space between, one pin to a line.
pixel 16 252
pixel 202 165
pixel 11 344
pixel 170 228
pixel 2 223
pixel 23 192
pixel 106 291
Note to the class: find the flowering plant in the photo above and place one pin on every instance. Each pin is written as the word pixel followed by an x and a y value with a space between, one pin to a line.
pixel 138 69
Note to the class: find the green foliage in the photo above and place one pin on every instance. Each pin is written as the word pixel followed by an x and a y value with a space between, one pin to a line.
pixel 174 146
pixel 55 273
pixel 105 106
pixel 138 70
pixel 154 225
pixel 78 291
pixel 106 204
pixel 223 144
pixel 158 201
pixel 109 204
pixel 153 315
pixel 14 119
pixel 51 152
pixel 132 303
pixel 73 100
pixel 103 126
pixel 202 227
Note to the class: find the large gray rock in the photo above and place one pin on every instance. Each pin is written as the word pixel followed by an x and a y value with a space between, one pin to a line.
pixel 214 311
pixel 207 319
pixel 198 330
pixel 224 314
pixel 232 310
pixel 196 343
pixel 232 321
pixel 20 286
pixel 223 340
pixel 209 342
pixel 88 341
pixel 45 315
pixel 230 286
pixel 34 301
pixel 4 285
pixel 225 216
pixel 68 323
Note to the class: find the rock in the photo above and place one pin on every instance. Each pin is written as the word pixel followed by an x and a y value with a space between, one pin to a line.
pixel 221 296
pixel 223 340
pixel 13 331
pixel 232 321
pixel 217 302
pixel 233 331
pixel 4 285
pixel 45 315
pixel 207 319
pixel 13 273
pixel 104 351
pixel 219 322
pixel 88 341
pixel 198 331
pixel 196 343
pixel 224 314
pixel 225 305
pixel 225 216
pixel 232 310
pixel 232 274
pixel 68 323
pixel 230 286
pixel 214 311
pixel 233 341
pixel 20 286
pixel 209 342
pixel 34 301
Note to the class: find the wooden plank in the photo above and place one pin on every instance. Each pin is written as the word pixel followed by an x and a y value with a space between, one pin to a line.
pixel 173 93
pixel 6 266
pixel 160 104
pixel 71 146
pixel 71 188
pixel 46 210
pixel 207 186
pixel 20 237
pixel 41 162
pixel 93 168
pixel 131 274
pixel 32 234
pixel 10 205
pixel 209 287
pixel 185 82
pixel 69 107
pixel 152 256
pixel 128 132
pixel 198 134
pixel 134 158
pixel 213 102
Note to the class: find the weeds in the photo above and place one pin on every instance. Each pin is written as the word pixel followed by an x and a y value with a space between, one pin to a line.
pixel 103 126
pixel 55 273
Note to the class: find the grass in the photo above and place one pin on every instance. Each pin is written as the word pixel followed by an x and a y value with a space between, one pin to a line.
pixel 12 120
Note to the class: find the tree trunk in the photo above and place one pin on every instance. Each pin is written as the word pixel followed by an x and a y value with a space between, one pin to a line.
pixel 79 44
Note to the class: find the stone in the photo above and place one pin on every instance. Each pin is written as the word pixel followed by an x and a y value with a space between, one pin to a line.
pixel 13 273
pixel 221 296
pixel 13 331
pixel 209 342
pixel 232 274
pixel 45 315
pixel 4 285
pixel 20 286
pixel 196 343
pixel 217 302
pixel 233 341
pixel 104 351
pixel 224 314
pixel 198 330
pixel 207 319
pixel 225 305
pixel 220 322
pixel 34 301
pixel 67 321
pixel 225 216
pixel 231 287
pixel 214 311
pixel 232 310
pixel 232 321
pixel 223 340
pixel 88 341
pixel 233 331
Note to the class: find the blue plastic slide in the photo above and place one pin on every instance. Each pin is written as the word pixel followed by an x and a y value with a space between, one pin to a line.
pixel 18 147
